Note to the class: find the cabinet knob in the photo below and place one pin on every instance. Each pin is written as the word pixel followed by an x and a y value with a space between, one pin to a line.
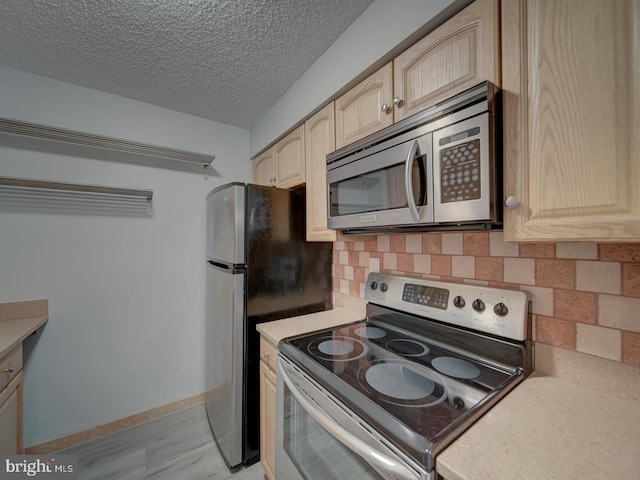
pixel 9 369
pixel 266 355
pixel 385 107
pixel 511 202
pixel 396 101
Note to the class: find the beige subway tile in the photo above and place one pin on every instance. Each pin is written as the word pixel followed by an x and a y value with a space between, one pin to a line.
pixel 413 243
pixel 586 251
pixel 358 246
pixel 374 264
pixel 363 259
pixel 619 312
pixel 599 341
pixel 520 271
pixel 452 243
pixel 383 243
pixel 542 300
pixel 499 248
pixel 422 263
pixel 601 277
pixel 343 257
pixel 339 245
pixel 463 266
pixel 390 261
pixel 344 286
pixel 348 272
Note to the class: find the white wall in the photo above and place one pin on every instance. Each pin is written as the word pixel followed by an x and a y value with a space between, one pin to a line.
pixel 378 30
pixel 126 294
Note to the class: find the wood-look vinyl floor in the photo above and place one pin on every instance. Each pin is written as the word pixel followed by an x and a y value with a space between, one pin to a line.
pixel 179 446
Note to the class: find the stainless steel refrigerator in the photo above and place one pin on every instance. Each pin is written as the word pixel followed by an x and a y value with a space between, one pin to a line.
pixel 259 268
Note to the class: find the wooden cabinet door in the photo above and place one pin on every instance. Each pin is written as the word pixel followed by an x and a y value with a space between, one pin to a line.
pixel 268 420
pixel 11 417
pixel 571 119
pixel 288 159
pixel 359 111
pixel 319 133
pixel 263 169
pixel 460 53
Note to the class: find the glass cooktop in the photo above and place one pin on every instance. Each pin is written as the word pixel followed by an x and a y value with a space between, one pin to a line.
pixel 425 386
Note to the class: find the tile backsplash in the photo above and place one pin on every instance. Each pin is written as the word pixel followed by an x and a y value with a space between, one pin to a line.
pixel 585 296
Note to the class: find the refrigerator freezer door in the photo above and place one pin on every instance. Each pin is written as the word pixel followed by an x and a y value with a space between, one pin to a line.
pixel 226 224
pixel 225 356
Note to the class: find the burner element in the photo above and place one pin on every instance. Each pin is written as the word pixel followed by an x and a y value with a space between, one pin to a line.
pixel 455 367
pixel 407 347
pixel 370 332
pixel 405 383
pixel 337 348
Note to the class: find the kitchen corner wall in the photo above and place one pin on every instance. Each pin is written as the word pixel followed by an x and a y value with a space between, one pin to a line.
pixel 126 293
pixel 585 296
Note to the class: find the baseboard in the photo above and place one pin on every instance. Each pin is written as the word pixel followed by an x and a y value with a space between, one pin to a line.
pixel 113 426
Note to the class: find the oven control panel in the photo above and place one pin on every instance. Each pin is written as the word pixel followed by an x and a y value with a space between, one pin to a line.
pixel 491 310
pixel 425 295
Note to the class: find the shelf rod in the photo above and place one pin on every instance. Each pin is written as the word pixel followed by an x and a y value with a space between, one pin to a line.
pixel 76 187
pixel 18 127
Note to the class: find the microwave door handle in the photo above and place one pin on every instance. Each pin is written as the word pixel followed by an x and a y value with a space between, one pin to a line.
pixel 385 466
pixel 408 184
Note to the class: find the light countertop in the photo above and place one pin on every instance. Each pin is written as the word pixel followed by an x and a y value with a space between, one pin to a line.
pixel 549 428
pixel 18 320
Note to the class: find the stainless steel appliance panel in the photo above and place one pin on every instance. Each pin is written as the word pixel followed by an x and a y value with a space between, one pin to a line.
pixel 225 355
pixel 226 224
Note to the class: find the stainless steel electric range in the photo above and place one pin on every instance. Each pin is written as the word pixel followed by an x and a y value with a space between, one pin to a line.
pixel 380 398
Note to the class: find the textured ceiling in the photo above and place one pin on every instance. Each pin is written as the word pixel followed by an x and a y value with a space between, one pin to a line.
pixel 225 60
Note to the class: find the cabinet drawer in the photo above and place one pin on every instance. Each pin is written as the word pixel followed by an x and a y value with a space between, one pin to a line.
pixel 268 354
pixel 10 366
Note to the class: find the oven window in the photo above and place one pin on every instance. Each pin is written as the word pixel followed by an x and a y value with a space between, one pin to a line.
pixel 316 454
pixel 382 189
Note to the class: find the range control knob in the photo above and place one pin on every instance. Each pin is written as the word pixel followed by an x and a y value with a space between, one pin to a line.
pixel 500 309
pixel 459 301
pixel 478 305
pixel 373 285
pixel 384 287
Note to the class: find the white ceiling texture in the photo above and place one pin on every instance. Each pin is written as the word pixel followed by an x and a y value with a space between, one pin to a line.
pixel 224 60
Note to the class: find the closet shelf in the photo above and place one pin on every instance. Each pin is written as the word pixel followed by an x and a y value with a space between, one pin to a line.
pixel 35 130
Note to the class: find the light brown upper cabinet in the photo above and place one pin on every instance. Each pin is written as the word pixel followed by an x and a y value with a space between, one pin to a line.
pixel 319 141
pixel 460 53
pixel 283 165
pixel 571 93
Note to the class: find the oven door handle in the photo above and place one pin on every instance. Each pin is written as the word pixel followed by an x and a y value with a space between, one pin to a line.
pixel 408 184
pixel 385 466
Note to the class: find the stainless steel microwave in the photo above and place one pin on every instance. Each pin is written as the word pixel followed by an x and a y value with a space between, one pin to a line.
pixel 438 169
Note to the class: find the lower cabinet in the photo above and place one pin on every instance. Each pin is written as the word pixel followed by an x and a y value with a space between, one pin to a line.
pixel 268 359
pixel 11 402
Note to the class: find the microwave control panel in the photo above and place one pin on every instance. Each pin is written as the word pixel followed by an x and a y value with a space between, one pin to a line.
pixel 460 172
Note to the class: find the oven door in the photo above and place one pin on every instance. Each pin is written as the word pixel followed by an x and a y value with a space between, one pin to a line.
pixel 391 186
pixel 318 438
